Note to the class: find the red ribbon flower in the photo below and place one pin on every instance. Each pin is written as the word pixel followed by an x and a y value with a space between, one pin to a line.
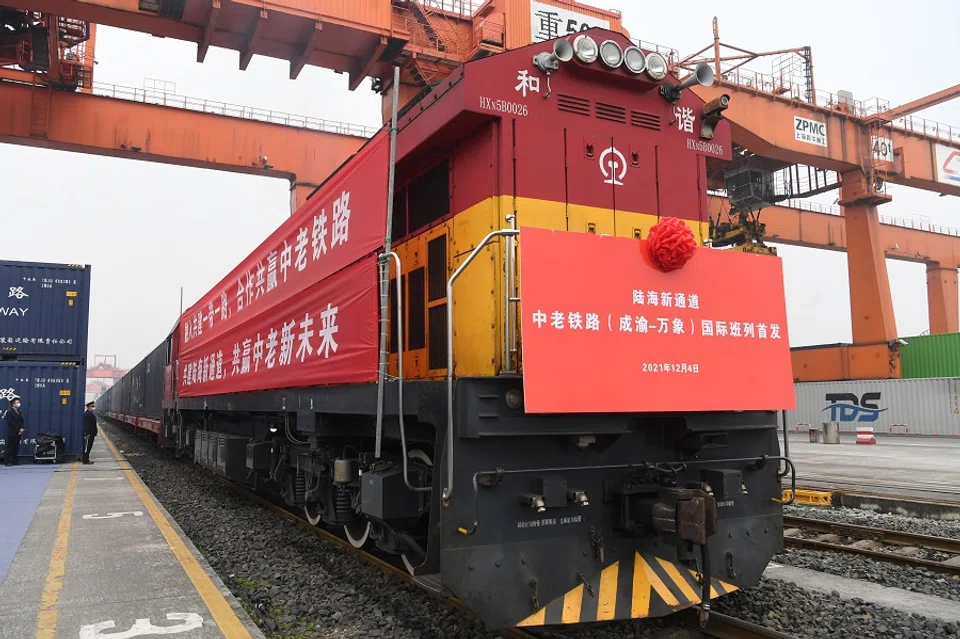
pixel 671 244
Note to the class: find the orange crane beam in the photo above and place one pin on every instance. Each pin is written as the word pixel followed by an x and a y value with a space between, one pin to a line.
pixel 920 104
pixel 767 125
pixel 91 123
pixel 337 35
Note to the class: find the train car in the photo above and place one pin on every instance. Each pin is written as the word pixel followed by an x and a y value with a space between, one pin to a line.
pixel 529 396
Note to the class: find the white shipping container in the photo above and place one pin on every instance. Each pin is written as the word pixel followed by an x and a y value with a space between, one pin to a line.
pixel 890 406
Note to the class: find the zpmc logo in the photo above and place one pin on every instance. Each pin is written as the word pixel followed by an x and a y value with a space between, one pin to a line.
pixel 613 166
pixel 863 409
pixel 951 167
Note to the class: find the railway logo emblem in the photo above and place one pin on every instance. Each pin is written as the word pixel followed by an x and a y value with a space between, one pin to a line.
pixel 847 407
pixel 17 292
pixel 613 166
pixel 7 393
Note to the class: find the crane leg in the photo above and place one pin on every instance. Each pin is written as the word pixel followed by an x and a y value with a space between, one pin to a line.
pixel 943 300
pixel 871 304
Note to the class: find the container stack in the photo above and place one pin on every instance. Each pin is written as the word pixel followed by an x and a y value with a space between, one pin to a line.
pixel 925 401
pixel 44 317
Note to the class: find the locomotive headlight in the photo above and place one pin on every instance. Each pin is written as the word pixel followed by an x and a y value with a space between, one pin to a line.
pixel 611 54
pixel 656 66
pixel 634 61
pixel 585 48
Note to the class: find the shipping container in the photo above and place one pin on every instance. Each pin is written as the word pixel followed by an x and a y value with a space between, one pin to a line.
pixel 930 356
pixel 44 311
pixel 51 396
pixel 890 406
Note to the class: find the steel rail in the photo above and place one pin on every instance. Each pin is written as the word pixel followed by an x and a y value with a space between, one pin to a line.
pixel 723 626
pixel 927 542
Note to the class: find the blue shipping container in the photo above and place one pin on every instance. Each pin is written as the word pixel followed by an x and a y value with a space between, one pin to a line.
pixel 44 311
pixel 51 396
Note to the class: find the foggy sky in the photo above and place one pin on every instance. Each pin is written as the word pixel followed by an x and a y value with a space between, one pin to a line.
pixel 149 229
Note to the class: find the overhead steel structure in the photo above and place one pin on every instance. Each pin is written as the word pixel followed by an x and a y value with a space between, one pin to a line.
pixel 792 138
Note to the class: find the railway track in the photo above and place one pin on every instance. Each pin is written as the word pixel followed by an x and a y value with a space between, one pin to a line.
pixel 941 554
pixel 719 626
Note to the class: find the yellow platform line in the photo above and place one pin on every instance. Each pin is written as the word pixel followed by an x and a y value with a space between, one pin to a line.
pixel 48 615
pixel 230 625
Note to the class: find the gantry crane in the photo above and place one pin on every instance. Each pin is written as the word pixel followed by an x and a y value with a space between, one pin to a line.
pixel 782 129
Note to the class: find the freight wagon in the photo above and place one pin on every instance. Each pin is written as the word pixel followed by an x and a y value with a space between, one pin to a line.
pixel 889 406
pixel 525 394
pixel 44 311
pixel 51 395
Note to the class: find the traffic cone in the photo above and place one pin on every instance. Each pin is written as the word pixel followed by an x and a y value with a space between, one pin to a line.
pixel 865 435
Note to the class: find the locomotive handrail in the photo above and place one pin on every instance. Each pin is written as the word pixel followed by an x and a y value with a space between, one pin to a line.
pixel 510 298
pixel 448 490
pixel 399 332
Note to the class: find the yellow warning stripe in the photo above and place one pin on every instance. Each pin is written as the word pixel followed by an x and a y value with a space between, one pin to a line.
pixel 680 589
pixel 674 574
pixel 48 615
pixel 607 603
pixel 227 620
pixel 657 583
pixel 571 605
pixel 641 591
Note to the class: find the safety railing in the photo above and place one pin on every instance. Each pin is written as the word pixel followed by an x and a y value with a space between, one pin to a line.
pixel 269 116
pixel 464 8
pixel 915 224
pixel 671 55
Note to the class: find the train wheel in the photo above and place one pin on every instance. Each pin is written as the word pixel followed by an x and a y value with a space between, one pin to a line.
pixel 411 561
pixel 313 512
pixel 358 533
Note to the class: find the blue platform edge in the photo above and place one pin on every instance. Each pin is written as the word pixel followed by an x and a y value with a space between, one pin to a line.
pixel 21 489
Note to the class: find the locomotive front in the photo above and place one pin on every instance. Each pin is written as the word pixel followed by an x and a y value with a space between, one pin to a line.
pixel 597 465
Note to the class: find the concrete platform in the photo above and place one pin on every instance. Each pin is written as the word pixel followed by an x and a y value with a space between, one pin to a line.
pixel 895 598
pixel 95 555
pixel 923 468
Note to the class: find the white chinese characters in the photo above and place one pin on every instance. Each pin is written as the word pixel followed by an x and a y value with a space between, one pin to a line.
pixel 628 323
pixel 666 299
pixel 527 83
pixel 294 343
pixel 305 245
pixel 685 118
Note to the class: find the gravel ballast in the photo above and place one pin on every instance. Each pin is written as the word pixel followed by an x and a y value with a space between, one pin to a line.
pixel 900 523
pixel 295 584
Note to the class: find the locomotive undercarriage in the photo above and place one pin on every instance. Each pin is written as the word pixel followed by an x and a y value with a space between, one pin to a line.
pixel 551 518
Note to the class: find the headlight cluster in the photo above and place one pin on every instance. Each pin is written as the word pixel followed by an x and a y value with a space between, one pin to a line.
pixel 610 53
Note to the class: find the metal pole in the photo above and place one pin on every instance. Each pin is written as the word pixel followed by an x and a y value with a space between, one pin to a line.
pixel 786 441
pixel 385 266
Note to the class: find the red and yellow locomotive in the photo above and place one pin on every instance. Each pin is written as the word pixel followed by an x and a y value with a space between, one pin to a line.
pixel 543 429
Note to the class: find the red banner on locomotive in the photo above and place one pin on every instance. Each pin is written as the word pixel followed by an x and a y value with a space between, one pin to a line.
pixel 343 221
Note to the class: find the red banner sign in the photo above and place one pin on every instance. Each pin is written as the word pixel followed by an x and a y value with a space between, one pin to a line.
pixel 604 330
pixel 327 334
pixel 345 220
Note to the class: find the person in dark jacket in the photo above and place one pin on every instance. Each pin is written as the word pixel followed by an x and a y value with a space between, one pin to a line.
pixel 89 432
pixel 14 419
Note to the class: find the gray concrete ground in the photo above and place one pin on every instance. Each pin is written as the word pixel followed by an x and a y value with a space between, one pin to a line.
pixel 120 575
pixel 895 598
pixel 913 467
